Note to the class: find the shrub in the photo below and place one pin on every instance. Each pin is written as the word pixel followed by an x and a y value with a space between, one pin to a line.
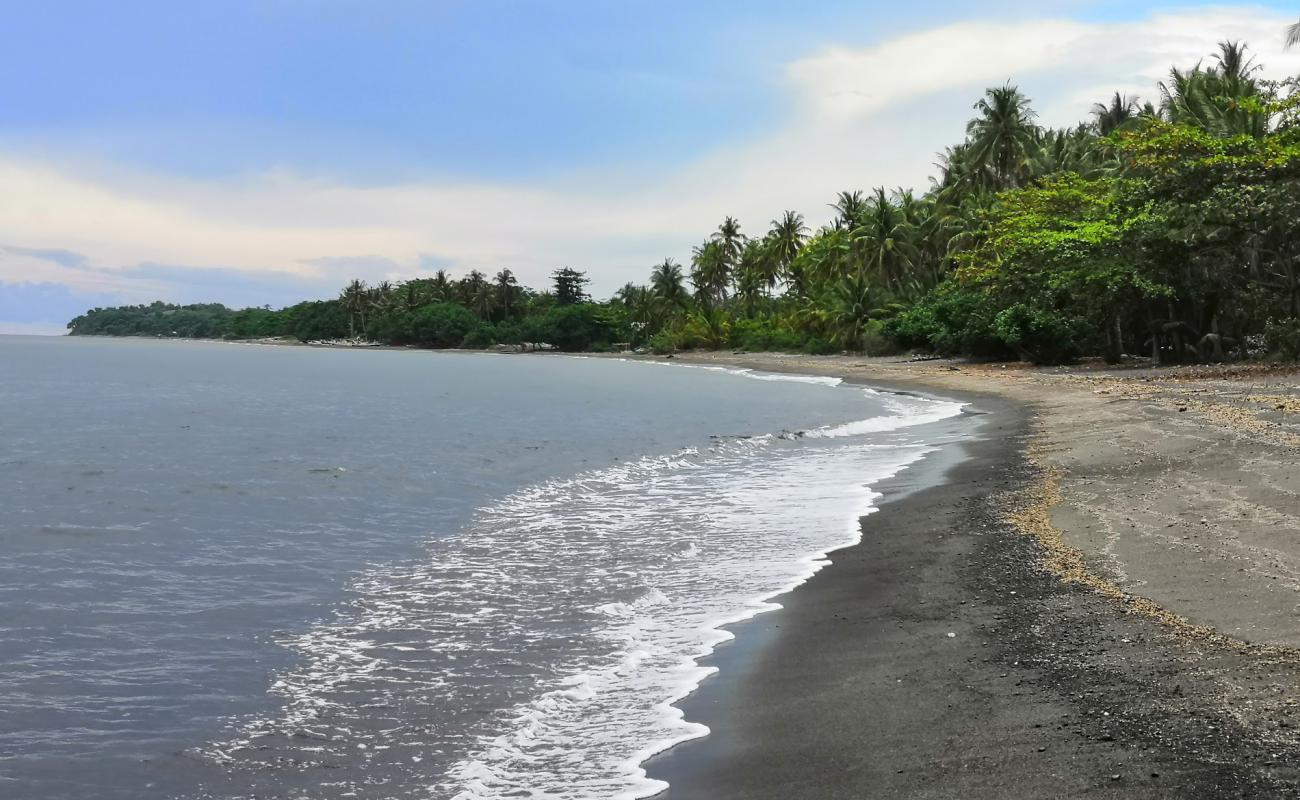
pixel 949 320
pixel 482 337
pixel 1282 337
pixel 439 325
pixel 1043 336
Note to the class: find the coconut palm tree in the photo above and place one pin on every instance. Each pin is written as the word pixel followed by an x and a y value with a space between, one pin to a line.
pixel 1293 35
pixel 788 236
pixel 882 244
pixel 668 285
pixel 484 301
pixel 507 291
pixel 380 298
pixel 751 277
pixel 710 271
pixel 731 239
pixel 758 268
pixel 468 287
pixel 1221 99
pixel 854 303
pixel 354 299
pixel 1118 113
pixel 440 287
pixel 849 208
pixel 1001 137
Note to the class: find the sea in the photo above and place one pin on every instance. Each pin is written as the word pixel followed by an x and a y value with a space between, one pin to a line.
pixel 251 571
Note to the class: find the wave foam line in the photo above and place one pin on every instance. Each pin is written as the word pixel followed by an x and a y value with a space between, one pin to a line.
pixel 541 649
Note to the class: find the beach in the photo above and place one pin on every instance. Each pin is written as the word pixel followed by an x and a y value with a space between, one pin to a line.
pixel 1096 596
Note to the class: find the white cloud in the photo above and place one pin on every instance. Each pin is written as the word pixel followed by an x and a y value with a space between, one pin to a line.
pixel 846 82
pixel 859 117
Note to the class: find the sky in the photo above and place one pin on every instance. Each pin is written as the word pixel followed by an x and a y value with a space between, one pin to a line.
pixel 263 153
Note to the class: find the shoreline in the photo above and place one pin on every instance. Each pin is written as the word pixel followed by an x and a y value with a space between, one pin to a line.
pixel 1128 565
pixel 1053 688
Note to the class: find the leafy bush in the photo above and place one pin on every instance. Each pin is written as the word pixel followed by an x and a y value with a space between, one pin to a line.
pixel 949 321
pixel 574 327
pixel 1282 338
pixel 663 343
pixel 1043 336
pixel 439 325
pixel 481 338
pixel 766 334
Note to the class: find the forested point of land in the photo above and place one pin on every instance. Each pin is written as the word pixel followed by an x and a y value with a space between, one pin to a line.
pixel 1168 230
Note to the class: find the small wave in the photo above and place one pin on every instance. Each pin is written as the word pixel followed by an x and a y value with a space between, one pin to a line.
pixel 551 637
pixel 905 414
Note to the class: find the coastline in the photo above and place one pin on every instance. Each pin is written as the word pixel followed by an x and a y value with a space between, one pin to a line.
pixel 1051 687
pixel 1121 550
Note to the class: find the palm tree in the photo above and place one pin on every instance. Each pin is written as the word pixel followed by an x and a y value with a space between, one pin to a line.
pixel 507 287
pixel 1001 137
pixel 354 299
pixel 710 271
pixel 788 236
pixel 484 301
pixel 1293 35
pixel 668 285
pixel 882 243
pixel 440 286
pixel 1221 99
pixel 468 287
pixel 758 269
pixel 626 295
pixel 643 309
pixel 849 208
pixel 853 305
pixel 380 297
pixel 1119 112
pixel 751 277
pixel 731 239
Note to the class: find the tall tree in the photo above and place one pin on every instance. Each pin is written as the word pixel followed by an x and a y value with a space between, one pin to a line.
pixel 355 300
pixel 882 243
pixel 669 285
pixel 710 271
pixel 1001 137
pixel 731 240
pixel 570 286
pixel 1119 112
pixel 507 291
pixel 787 237
pixel 849 208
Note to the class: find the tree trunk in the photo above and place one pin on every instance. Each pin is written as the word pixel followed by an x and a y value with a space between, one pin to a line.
pixel 1114 344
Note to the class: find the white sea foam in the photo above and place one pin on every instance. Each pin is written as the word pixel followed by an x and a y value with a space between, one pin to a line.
pixel 596 594
pixel 906 411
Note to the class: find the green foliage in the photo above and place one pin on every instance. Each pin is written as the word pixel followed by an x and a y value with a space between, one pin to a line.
pixel 575 327
pixel 321 320
pixel 1170 229
pixel 437 325
pixel 1043 336
pixel 1282 338
pixel 766 334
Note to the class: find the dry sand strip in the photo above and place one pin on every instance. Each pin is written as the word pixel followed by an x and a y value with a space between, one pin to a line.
pixel 1118 559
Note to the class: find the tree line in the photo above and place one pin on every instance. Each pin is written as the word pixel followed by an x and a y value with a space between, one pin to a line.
pixel 1166 229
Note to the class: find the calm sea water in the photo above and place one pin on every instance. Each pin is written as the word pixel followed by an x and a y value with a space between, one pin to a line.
pixel 242 571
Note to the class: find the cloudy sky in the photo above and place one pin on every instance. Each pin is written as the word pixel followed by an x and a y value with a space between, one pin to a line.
pixel 266 152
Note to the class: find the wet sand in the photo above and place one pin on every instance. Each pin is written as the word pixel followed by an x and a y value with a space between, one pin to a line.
pixel 1117 559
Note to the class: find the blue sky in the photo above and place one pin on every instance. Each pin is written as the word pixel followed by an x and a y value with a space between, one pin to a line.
pixel 269 150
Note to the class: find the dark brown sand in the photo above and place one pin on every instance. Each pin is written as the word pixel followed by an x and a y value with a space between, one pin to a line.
pixel 1046 689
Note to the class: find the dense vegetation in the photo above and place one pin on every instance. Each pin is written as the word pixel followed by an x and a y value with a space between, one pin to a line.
pixel 1169 229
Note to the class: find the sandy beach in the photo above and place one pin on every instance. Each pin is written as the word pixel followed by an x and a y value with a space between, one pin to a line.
pixel 1098 597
